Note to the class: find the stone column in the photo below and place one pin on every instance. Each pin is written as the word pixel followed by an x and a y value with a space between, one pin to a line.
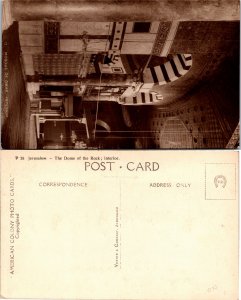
pixel 97 80
pixel 107 80
pixel 112 98
pixel 7 19
pixel 126 10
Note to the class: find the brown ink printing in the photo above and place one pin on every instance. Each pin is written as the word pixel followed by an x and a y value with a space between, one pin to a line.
pixel 117 239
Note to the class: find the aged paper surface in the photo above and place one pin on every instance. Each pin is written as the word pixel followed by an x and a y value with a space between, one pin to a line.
pixel 119 225
pixel 123 74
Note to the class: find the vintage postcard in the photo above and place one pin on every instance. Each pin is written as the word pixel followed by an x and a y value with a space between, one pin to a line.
pixel 119 225
pixel 126 74
pixel 111 75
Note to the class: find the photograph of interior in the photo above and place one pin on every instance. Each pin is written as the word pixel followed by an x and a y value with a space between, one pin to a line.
pixel 121 74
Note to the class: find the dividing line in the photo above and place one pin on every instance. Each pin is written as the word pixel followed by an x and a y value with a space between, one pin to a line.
pixel 170 38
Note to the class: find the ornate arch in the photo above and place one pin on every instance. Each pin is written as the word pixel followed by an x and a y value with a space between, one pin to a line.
pixel 162 74
pixel 170 71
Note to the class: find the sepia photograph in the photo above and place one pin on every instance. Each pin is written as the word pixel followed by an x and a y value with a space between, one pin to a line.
pixel 127 74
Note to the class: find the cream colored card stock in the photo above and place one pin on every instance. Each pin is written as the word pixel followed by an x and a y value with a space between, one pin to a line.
pixel 119 225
